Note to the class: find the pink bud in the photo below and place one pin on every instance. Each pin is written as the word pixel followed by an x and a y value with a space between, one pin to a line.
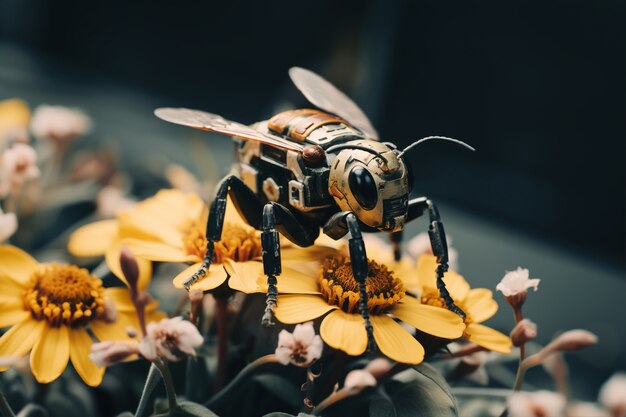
pixel 523 332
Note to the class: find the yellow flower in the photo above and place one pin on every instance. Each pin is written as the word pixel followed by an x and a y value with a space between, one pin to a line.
pixel 50 306
pixel 477 303
pixel 171 227
pixel 14 114
pixel 333 289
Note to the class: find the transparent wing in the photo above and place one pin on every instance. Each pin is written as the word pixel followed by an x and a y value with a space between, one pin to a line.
pixel 214 123
pixel 327 97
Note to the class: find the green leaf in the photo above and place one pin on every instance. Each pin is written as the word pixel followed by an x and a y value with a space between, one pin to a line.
pixel 414 393
pixel 189 409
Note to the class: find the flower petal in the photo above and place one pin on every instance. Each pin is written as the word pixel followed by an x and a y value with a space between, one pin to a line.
pixel 80 346
pixel 432 320
pixel 345 331
pixel 112 257
pixel 16 264
pixel 109 331
pixel 455 283
pixel 311 253
pixel 299 308
pixel 12 313
pixel 480 304
pixel 93 239
pixel 121 298
pixel 21 338
pixel 246 277
pixel 50 354
pixel 158 251
pixel 488 338
pixel 395 342
pixel 213 279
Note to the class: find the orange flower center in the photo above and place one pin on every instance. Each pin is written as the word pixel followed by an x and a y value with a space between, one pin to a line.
pixel 430 296
pixel 238 242
pixel 338 286
pixel 64 294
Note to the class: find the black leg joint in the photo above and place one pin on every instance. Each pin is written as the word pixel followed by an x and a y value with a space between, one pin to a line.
pixel 271 262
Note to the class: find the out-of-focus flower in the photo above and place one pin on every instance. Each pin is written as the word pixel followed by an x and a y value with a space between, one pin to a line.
pixel 586 410
pixel 334 289
pixel 170 339
pixel 359 379
pixel 420 245
pixel 478 303
pixel 49 307
pixel 182 179
pixel 613 395
pixel 59 124
pixel 378 367
pixel 8 225
pixel 570 340
pixel 523 332
pixel 536 404
pixel 14 120
pixel 514 286
pixel 300 348
pixel 112 200
pixel 109 353
pixel 19 164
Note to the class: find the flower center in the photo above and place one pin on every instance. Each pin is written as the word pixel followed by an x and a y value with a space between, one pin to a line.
pixel 430 296
pixel 238 242
pixel 338 286
pixel 64 294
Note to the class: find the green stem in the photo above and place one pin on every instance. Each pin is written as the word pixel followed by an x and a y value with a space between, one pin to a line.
pixel 169 385
pixel 151 382
pixel 5 408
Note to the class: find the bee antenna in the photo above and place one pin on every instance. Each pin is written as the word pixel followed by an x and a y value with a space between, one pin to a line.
pixel 361 147
pixel 422 140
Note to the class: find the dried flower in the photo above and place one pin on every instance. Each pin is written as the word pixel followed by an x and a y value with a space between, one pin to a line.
pixel 59 124
pixel 613 394
pixel 359 379
pixel 300 348
pixel 536 404
pixel 8 225
pixel 514 286
pixel 19 164
pixel 109 353
pixel 523 332
pixel 170 339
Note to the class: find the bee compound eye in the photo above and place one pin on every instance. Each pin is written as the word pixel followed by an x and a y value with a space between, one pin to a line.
pixel 363 187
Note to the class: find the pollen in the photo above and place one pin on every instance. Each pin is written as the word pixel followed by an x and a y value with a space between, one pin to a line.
pixel 238 242
pixel 338 286
pixel 64 294
pixel 430 296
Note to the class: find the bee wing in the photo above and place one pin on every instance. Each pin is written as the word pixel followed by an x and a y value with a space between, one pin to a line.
pixel 215 123
pixel 327 97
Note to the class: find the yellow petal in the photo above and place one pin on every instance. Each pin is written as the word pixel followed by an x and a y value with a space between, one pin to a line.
pixel 248 277
pixel 311 253
pixel 300 308
pixel 12 313
pixel 158 251
pixel 395 342
pixel 345 332
pixel 405 271
pixel 21 338
pixel 113 262
pixel 50 354
pixel 80 345
pixel 213 279
pixel 455 283
pixel 11 290
pixel 109 331
pixel 16 264
pixel 121 298
pixel 93 239
pixel 480 304
pixel 488 338
pixel 429 319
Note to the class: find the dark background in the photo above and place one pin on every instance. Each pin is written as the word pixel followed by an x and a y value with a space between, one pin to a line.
pixel 536 86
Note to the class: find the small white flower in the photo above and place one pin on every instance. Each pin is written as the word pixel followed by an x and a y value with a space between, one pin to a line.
pixel 420 244
pixel 8 225
pixel 109 352
pixel 516 282
pixel 613 394
pixel 18 165
pixel 586 410
pixel 170 339
pixel 300 348
pixel 359 379
pixel 58 123
pixel 536 404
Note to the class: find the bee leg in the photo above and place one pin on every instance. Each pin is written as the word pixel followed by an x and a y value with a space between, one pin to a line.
pixel 238 190
pixel 358 260
pixel 396 240
pixel 440 250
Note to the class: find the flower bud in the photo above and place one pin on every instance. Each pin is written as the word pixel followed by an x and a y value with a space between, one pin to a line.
pixel 523 332
pixel 109 352
pixel 130 268
pixel 571 340
pixel 359 379
pixel 378 367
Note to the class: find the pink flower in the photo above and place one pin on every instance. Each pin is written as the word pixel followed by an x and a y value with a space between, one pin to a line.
pixel 18 165
pixel 300 348
pixel 59 124
pixel 514 286
pixel 536 404
pixel 170 339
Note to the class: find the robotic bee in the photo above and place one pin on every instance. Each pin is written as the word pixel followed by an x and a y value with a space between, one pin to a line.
pixel 306 169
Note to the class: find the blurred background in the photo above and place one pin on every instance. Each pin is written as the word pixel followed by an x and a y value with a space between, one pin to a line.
pixel 536 87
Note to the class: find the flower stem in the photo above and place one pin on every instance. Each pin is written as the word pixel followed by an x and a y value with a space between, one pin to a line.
pixel 151 382
pixel 519 317
pixel 169 385
pixel 5 408
pixel 221 307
